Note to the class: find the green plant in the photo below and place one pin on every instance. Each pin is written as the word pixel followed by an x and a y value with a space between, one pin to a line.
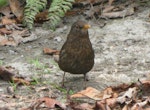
pixel 35 81
pixel 1 62
pixel 63 90
pixel 14 85
pixel 3 3
pixel 36 63
pixel 56 11
pixel 40 65
pixel 32 8
pixel 46 70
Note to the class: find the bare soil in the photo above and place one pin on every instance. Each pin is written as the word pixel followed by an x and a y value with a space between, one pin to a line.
pixel 122 55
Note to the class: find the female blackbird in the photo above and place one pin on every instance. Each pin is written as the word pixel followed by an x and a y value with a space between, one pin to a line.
pixel 77 54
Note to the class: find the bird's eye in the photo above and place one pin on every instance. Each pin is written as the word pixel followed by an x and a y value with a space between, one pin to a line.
pixel 79 26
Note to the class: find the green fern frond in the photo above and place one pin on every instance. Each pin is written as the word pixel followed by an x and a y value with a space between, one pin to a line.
pixel 31 9
pixel 57 10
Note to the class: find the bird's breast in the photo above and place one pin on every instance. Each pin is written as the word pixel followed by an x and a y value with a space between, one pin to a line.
pixel 77 57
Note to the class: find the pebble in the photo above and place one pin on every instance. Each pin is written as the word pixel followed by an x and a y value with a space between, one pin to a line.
pixel 58 39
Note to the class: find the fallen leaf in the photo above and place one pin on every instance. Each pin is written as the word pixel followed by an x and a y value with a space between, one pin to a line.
pixel 42 89
pixel 20 81
pixel 50 51
pixel 125 107
pixel 16 8
pixel 42 16
pixel 30 38
pixel 123 87
pixel 7 21
pixel 4 108
pixel 4 31
pixel 86 2
pixel 99 106
pixel 108 9
pixel 128 96
pixel 50 103
pixel 88 92
pixel 108 93
pixel 26 109
pixel 140 104
pixel 16 37
pixel 13 26
pixel 145 87
pixel 146 82
pixel 83 106
pixel 6 11
pixel 7 41
pixel 92 12
pixel 118 14
pixel 111 102
pixel 110 2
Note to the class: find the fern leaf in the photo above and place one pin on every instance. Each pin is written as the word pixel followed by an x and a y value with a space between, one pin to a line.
pixel 31 9
pixel 57 10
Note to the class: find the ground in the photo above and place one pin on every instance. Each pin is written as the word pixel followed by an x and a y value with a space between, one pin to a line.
pixel 122 55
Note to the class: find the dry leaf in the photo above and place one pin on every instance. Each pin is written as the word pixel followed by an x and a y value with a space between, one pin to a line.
pixel 83 106
pixel 26 109
pixel 4 41
pixel 86 2
pixel 118 14
pixel 6 11
pixel 145 87
pixel 141 104
pixel 128 96
pixel 125 107
pixel 7 21
pixel 111 102
pixel 108 93
pixel 14 27
pixel 108 9
pixel 50 51
pixel 92 12
pixel 100 106
pixel 110 2
pixel 20 81
pixel 4 31
pixel 146 82
pixel 88 92
pixel 42 89
pixel 17 37
pixel 16 8
pixel 4 108
pixel 50 103
pixel 42 16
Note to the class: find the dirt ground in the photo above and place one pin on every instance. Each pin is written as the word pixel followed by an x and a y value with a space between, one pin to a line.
pixel 122 55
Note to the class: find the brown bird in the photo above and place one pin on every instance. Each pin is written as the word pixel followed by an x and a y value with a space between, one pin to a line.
pixel 77 54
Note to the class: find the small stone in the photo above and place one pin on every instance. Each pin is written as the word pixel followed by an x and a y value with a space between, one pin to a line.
pixel 12 52
pixel 58 39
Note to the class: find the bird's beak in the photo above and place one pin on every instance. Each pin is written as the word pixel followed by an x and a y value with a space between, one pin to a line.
pixel 86 26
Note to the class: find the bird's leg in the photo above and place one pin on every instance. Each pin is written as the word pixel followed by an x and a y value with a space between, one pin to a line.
pixel 85 80
pixel 63 79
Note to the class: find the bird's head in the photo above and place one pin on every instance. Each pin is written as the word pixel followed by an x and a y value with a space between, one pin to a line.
pixel 80 28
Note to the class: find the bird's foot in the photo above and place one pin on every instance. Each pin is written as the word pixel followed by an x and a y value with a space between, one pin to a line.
pixel 87 78
pixel 63 85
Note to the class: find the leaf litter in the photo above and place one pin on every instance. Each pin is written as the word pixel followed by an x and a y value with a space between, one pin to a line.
pixel 127 96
